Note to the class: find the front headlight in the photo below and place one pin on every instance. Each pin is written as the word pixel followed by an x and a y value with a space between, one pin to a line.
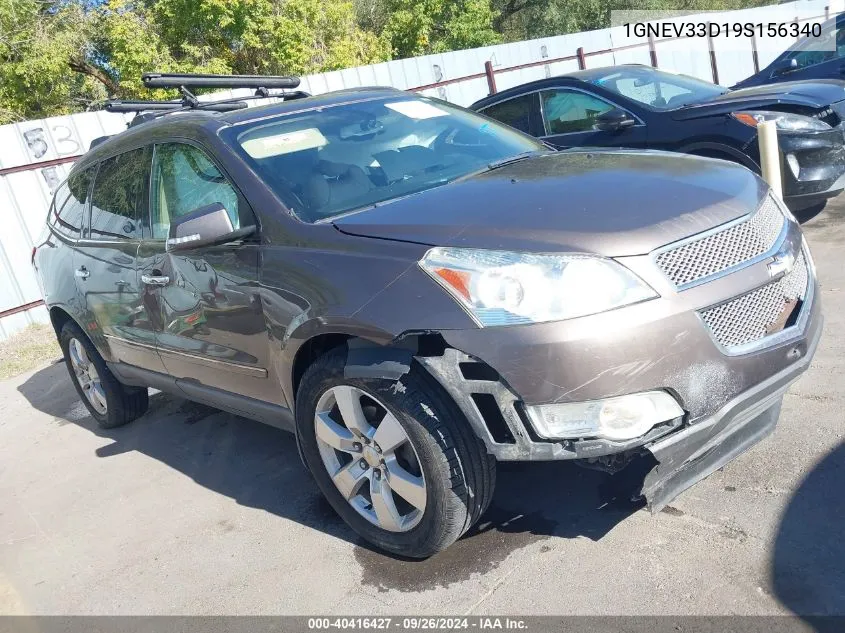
pixel 783 120
pixel 619 418
pixel 505 288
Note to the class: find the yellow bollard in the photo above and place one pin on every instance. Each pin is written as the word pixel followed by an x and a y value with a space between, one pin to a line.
pixel 767 137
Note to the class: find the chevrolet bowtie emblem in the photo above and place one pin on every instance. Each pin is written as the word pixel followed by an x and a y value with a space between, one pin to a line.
pixel 781 264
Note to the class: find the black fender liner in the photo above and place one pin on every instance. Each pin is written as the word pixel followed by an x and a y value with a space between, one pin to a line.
pixel 367 360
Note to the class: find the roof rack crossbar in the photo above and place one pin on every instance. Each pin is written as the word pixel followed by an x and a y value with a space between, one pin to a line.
pixel 190 80
pixel 171 106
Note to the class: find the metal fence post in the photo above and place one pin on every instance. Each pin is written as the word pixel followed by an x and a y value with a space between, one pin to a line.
pixel 713 66
pixel 582 60
pixel 652 51
pixel 491 77
pixel 754 57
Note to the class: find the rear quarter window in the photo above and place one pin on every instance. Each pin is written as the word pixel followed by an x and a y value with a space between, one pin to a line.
pixel 519 112
pixel 68 218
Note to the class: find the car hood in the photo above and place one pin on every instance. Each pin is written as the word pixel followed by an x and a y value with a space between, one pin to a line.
pixel 613 203
pixel 814 94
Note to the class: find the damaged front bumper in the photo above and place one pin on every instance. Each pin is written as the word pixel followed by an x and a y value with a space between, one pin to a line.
pixel 691 454
pixel 731 400
pixel 684 454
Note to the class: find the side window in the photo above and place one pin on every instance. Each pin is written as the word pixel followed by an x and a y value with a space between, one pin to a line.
pixel 568 111
pixel 68 217
pixel 58 202
pixel 119 196
pixel 185 179
pixel 819 50
pixel 519 112
pixel 805 59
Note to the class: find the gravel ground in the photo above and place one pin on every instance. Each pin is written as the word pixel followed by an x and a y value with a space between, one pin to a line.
pixel 193 511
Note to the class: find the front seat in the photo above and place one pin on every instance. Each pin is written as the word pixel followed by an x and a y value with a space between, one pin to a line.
pixel 331 184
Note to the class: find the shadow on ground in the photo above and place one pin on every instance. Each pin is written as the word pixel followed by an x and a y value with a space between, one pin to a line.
pixel 258 466
pixel 808 563
pixel 805 215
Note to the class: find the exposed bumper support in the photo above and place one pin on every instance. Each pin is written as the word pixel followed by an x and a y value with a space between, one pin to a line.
pixel 510 437
pixel 691 454
pixel 684 456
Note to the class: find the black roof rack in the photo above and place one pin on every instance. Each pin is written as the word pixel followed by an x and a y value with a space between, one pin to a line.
pixel 262 85
pixel 256 82
pixel 118 105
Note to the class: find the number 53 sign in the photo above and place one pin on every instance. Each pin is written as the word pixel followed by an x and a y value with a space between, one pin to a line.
pixel 61 137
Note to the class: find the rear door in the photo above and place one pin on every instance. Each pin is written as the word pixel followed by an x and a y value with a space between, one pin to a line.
pixel 57 258
pixel 569 119
pixel 106 270
pixel 205 304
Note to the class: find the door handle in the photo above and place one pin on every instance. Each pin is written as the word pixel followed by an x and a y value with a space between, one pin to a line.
pixel 155 280
pixel 82 272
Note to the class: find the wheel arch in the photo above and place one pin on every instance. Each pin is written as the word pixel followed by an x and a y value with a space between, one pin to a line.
pixel 59 316
pixel 371 353
pixel 721 151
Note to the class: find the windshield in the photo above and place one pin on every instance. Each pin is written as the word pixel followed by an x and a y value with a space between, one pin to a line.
pixel 657 89
pixel 335 159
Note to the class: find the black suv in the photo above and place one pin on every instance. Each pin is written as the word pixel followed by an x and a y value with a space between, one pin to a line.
pixel 418 292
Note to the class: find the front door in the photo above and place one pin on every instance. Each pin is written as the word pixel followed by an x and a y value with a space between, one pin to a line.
pixel 209 322
pixel 569 117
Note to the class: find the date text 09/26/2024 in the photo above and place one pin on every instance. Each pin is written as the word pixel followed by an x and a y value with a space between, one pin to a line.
pixel 424 623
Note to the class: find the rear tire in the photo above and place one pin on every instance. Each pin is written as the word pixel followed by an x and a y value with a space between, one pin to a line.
pixel 457 473
pixel 108 401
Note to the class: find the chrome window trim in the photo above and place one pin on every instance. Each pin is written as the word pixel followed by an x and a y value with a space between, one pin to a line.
pixel 781 238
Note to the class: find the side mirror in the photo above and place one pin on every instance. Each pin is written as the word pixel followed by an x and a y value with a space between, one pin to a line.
pixel 613 120
pixel 207 226
pixel 784 66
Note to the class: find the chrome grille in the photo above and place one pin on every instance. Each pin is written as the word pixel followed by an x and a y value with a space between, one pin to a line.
pixel 721 250
pixel 748 317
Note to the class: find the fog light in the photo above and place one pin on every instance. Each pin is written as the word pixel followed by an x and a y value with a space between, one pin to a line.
pixel 618 418
pixel 794 167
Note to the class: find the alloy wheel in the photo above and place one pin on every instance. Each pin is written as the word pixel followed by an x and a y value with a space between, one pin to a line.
pixel 370 458
pixel 87 376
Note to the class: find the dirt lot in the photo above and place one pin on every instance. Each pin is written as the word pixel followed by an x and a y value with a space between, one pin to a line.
pixel 189 510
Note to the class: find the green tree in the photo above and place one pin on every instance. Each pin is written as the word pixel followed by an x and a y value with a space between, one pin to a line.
pixel 62 56
pixel 419 27
pixel 66 55
pixel 37 43
pixel 267 36
pixel 528 19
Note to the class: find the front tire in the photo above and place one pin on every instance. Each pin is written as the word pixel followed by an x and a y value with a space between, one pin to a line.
pixel 109 402
pixel 395 459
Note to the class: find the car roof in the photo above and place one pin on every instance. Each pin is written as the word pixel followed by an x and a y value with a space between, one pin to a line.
pixel 174 123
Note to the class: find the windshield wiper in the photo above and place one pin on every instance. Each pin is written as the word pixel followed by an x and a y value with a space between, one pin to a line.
pixel 514 159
